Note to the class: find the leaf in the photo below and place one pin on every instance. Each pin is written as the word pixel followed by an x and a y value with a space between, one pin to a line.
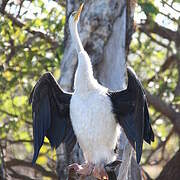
pixel 42 160
pixel 149 8
pixel 178 1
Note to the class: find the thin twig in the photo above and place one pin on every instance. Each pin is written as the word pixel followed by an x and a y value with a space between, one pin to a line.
pixel 159 146
pixel 171 6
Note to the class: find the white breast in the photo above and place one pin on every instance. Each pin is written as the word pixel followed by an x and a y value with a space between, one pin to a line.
pixel 94 125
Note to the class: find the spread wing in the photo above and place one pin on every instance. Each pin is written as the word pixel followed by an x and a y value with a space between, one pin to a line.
pixel 50 108
pixel 131 111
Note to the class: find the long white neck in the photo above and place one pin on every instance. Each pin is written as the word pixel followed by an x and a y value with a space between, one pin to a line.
pixel 84 79
pixel 75 37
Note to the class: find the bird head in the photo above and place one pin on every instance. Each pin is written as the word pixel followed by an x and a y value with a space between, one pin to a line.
pixel 74 17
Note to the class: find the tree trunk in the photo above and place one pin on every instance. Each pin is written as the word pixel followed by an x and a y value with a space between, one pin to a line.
pixel 105 29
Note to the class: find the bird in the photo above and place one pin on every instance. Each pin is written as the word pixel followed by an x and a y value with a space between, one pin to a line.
pixel 92 115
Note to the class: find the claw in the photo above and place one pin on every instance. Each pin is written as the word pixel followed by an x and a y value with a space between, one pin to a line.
pixel 74 166
pixel 99 172
pixel 85 169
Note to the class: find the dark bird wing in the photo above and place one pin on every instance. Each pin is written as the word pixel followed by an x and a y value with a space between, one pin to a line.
pixel 131 111
pixel 50 108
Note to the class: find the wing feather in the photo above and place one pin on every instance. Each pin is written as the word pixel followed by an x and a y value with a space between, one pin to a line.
pixel 131 111
pixel 50 108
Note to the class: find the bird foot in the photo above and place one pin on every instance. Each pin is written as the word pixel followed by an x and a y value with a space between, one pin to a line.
pixel 99 172
pixel 84 169
pixel 89 169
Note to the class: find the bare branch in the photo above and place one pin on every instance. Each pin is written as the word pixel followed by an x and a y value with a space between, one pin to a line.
pixel 171 169
pixel 17 141
pixel 168 16
pixel 165 109
pixel 12 52
pixel 177 89
pixel 152 27
pixel 167 64
pixel 16 49
pixel 17 162
pixel 171 6
pixel 3 5
pixel 61 2
pixel 20 141
pixel 163 143
pixel 153 39
pixel 20 7
pixel 8 113
pixel 15 174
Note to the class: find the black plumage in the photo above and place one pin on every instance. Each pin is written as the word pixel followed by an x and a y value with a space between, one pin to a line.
pixel 51 115
pixel 51 118
pixel 131 111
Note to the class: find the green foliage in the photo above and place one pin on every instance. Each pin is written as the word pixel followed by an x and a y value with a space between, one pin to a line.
pixel 31 42
pixel 148 7
pixel 25 54
pixel 150 55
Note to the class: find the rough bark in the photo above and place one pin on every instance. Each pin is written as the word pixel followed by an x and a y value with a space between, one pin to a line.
pixel 103 29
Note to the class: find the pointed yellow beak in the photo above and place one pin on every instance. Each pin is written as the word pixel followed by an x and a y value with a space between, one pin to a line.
pixel 78 12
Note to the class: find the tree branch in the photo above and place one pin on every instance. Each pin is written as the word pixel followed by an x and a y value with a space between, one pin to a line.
pixel 161 144
pixel 168 16
pixel 17 141
pixel 8 113
pixel 171 169
pixel 20 7
pixel 152 27
pixel 165 109
pixel 17 162
pixel 3 5
pixel 171 6
pixel 20 24
pixel 169 61
pixel 61 2
pixel 15 174
pixel 177 89
pixel 20 141
pixel 153 39
pixel 15 49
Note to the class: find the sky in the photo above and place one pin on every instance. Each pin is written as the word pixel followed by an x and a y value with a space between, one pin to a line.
pixel 160 19
pixel 32 8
